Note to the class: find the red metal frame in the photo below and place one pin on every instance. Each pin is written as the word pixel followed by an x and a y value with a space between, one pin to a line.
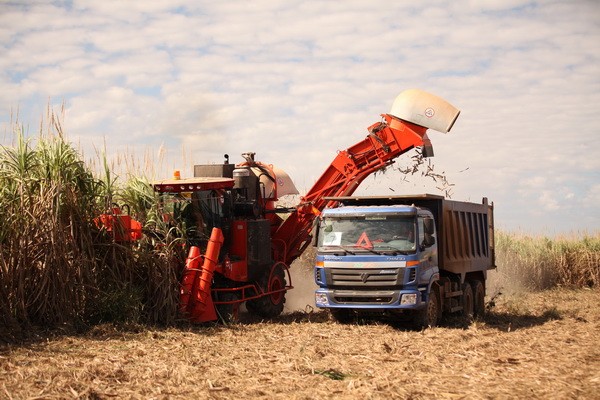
pixel 256 288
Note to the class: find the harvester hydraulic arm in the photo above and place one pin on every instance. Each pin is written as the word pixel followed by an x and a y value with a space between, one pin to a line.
pixel 386 140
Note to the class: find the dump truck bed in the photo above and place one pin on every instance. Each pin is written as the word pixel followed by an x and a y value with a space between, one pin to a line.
pixel 465 231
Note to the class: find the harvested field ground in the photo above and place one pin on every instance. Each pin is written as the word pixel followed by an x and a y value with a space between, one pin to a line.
pixel 542 345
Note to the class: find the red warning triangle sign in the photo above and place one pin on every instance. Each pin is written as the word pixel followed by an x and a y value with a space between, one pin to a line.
pixel 363 241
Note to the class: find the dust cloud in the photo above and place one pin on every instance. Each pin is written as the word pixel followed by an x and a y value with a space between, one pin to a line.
pixel 302 296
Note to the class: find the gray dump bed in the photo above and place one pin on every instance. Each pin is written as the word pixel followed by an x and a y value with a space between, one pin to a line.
pixel 465 231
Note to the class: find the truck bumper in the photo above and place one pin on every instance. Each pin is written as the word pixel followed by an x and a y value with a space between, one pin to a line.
pixel 409 299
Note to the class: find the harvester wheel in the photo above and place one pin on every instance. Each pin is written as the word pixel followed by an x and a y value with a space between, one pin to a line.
pixel 467 301
pixel 228 313
pixel 478 298
pixel 430 315
pixel 271 305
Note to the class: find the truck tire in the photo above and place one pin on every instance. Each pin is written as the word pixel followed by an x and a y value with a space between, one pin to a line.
pixel 271 305
pixel 478 299
pixel 430 315
pixel 342 315
pixel 467 301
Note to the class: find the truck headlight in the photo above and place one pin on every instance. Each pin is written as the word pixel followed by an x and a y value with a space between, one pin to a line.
pixel 320 299
pixel 408 299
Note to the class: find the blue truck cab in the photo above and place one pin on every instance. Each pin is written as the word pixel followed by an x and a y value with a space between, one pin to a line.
pixel 415 257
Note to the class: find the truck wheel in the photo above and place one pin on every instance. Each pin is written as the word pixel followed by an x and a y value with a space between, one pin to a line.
pixel 478 299
pixel 467 301
pixel 430 315
pixel 271 305
pixel 342 315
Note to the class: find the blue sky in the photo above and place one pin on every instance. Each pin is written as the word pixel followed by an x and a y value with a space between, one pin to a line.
pixel 182 82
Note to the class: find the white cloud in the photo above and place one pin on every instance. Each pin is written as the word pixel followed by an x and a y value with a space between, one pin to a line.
pixel 297 81
pixel 592 195
pixel 548 201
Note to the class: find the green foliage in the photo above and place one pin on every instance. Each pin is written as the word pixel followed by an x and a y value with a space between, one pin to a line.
pixel 138 194
pixel 121 303
pixel 46 245
pixel 57 266
pixel 332 374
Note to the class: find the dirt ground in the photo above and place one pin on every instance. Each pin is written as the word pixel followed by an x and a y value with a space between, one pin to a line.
pixel 542 345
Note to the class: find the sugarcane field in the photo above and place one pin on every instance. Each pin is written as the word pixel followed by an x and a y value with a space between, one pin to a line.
pixel 527 345
pixel 299 200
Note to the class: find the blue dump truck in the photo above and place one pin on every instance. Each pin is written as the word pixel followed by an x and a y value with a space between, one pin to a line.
pixel 414 258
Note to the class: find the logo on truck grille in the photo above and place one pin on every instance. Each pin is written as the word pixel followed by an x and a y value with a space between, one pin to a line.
pixel 364 277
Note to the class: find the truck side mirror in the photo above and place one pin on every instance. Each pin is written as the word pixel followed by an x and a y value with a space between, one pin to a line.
pixel 428 225
pixel 429 228
pixel 428 240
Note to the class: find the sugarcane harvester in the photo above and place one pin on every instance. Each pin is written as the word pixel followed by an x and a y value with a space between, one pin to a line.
pixel 240 246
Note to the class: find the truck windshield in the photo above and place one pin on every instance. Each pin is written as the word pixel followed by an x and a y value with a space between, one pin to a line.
pixel 381 233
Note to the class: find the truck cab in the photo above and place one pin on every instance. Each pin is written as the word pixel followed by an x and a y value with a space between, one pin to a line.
pixel 384 249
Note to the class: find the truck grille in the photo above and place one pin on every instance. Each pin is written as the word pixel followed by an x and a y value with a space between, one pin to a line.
pixel 360 278
pixel 363 300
